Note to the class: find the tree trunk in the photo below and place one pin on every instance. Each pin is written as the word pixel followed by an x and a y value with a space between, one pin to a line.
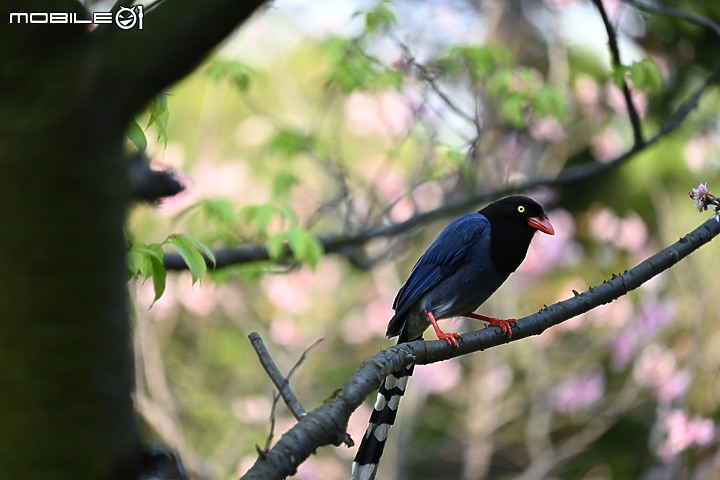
pixel 66 378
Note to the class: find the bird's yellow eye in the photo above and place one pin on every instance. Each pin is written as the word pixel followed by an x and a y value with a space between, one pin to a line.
pixel 521 208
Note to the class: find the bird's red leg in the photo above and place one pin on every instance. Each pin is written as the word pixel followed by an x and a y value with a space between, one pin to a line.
pixel 492 321
pixel 448 337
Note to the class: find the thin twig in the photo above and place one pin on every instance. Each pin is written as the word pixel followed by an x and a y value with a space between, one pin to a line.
pixel 615 54
pixel 303 357
pixel 429 79
pixel 276 396
pixel 280 382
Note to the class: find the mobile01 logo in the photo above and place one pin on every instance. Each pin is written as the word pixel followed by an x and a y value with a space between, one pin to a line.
pixel 125 18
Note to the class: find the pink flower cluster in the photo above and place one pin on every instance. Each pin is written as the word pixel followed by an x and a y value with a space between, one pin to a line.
pixel 682 432
pixel 578 392
pixel 704 200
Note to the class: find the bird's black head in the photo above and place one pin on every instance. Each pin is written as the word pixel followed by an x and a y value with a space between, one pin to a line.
pixel 513 222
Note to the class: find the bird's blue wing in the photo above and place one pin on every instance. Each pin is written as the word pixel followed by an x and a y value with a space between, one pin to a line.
pixel 439 261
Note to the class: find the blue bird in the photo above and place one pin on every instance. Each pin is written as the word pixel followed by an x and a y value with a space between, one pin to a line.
pixel 462 268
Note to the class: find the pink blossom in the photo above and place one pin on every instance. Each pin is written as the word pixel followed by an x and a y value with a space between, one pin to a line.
pixel 704 200
pixel 388 113
pixel 682 432
pixel 438 377
pixel 675 387
pixel 656 369
pixel 579 392
pixel 547 128
pixel 495 380
pixel 697 151
pixel 633 233
pixel 702 189
pixel 428 196
pixel 622 349
pixel 288 292
pixel 200 298
pixel 587 92
pixel 561 3
pixel 284 331
pixel 616 99
pixel 653 316
pixel 607 145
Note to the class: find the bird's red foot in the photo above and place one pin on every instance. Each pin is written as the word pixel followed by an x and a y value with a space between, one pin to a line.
pixel 450 337
pixel 495 322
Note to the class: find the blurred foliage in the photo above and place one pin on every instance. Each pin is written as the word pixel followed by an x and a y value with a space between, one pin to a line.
pixel 298 128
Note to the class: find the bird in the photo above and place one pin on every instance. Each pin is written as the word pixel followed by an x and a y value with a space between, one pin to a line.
pixel 461 269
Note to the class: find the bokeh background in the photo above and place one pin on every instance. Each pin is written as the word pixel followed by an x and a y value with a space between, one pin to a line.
pixel 331 117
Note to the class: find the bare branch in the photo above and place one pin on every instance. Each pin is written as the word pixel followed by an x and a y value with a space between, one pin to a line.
pixel 135 64
pixel 676 13
pixel 326 424
pixel 276 396
pixel 615 54
pixel 427 77
pixel 280 382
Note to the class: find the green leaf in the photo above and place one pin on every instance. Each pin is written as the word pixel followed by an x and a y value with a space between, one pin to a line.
pixel 479 62
pixel 381 17
pixel 147 261
pixel 499 83
pixel 277 246
pixel 290 142
pixel 201 247
pixel 220 209
pixel 137 136
pixel 188 250
pixel 353 69
pixel 618 76
pixel 512 110
pixel 646 75
pixel 233 70
pixel 306 247
pixel 550 101
pixel 135 258
pixel 638 75
pixel 159 115
pixel 287 213
pixel 159 274
pixel 283 183
pixel 264 214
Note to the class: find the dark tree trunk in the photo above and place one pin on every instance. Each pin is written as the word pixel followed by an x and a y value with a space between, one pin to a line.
pixel 66 409
pixel 66 96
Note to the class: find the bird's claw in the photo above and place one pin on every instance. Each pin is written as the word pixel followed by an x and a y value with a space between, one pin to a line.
pixel 450 338
pixel 503 324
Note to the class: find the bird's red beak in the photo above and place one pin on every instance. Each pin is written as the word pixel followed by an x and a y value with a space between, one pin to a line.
pixel 542 224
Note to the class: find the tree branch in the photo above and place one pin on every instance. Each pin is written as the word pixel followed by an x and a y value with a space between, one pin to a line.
pixel 676 13
pixel 326 424
pixel 135 64
pixel 615 54
pixel 281 383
